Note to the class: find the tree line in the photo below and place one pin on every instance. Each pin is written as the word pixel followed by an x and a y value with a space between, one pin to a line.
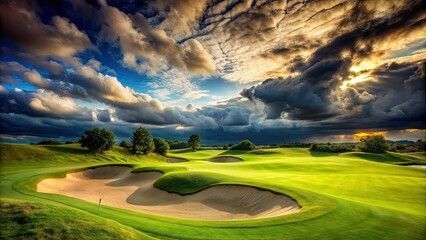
pixel 99 140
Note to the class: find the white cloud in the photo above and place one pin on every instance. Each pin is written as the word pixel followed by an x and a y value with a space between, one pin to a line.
pixel 196 94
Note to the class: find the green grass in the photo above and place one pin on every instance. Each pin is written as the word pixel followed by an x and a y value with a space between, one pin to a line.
pixel 29 220
pixel 343 196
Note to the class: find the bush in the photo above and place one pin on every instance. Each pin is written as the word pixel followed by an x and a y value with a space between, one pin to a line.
pixel 244 145
pixel 373 144
pixel 161 146
pixel 420 146
pixel 406 146
pixel 70 142
pixel 142 141
pixel 194 142
pixel 49 142
pixel 124 144
pixel 332 147
pixel 97 140
pixel 295 145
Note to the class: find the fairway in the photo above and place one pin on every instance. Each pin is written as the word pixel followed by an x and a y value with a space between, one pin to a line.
pixel 342 196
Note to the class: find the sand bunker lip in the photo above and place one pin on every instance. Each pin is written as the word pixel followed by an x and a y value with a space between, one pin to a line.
pixel 118 187
pixel 225 159
pixel 175 160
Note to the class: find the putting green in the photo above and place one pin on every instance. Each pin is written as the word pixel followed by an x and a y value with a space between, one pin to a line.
pixel 343 196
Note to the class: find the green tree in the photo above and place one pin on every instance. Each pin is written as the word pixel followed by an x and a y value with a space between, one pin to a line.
pixel 97 140
pixel 194 142
pixel 142 141
pixel 124 144
pixel 161 146
pixel 244 145
pixel 373 144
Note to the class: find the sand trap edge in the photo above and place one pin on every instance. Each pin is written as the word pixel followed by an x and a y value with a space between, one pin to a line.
pixel 298 206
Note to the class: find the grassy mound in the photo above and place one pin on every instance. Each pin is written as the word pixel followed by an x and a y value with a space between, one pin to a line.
pixel 29 220
pixel 388 157
pixel 10 152
pixel 189 182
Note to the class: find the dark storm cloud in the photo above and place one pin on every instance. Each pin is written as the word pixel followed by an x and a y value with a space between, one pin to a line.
pixel 228 115
pixel 304 97
pixel 153 112
pixel 367 31
pixel 104 115
pixel 313 95
pixel 400 92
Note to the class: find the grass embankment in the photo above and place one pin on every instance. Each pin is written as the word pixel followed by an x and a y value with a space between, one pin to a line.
pixel 343 196
pixel 30 220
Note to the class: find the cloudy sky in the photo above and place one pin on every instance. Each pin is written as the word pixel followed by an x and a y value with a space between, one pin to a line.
pixel 271 71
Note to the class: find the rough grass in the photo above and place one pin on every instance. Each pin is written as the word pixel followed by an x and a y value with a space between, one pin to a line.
pixel 29 220
pixel 343 196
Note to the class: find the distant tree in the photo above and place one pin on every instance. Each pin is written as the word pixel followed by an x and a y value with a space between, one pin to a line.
pixel 420 146
pixel 194 142
pixel 332 147
pixel 225 147
pixel 161 146
pixel 177 144
pixel 373 144
pixel 295 145
pixel 142 142
pixel 49 142
pixel 313 147
pixel 244 145
pixel 124 144
pixel 69 142
pixel 97 140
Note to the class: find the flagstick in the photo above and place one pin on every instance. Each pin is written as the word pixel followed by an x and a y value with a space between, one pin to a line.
pixel 100 199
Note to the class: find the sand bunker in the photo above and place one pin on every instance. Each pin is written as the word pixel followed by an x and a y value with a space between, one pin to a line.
pixel 175 160
pixel 118 187
pixel 225 159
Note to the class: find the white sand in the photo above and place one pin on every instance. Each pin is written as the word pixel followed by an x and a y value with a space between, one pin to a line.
pixel 175 160
pixel 225 159
pixel 135 191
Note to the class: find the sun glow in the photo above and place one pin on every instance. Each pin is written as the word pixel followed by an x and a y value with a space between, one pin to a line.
pixel 366 134
pixel 354 80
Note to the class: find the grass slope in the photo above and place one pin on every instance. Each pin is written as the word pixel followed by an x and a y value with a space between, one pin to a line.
pixel 343 196
pixel 29 220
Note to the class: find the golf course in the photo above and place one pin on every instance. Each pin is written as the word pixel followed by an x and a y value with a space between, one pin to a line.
pixel 54 192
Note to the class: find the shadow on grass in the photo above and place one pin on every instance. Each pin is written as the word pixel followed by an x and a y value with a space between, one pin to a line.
pixel 185 150
pixel 61 149
pixel 234 152
pixel 323 154
pixel 261 152
pixel 384 157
